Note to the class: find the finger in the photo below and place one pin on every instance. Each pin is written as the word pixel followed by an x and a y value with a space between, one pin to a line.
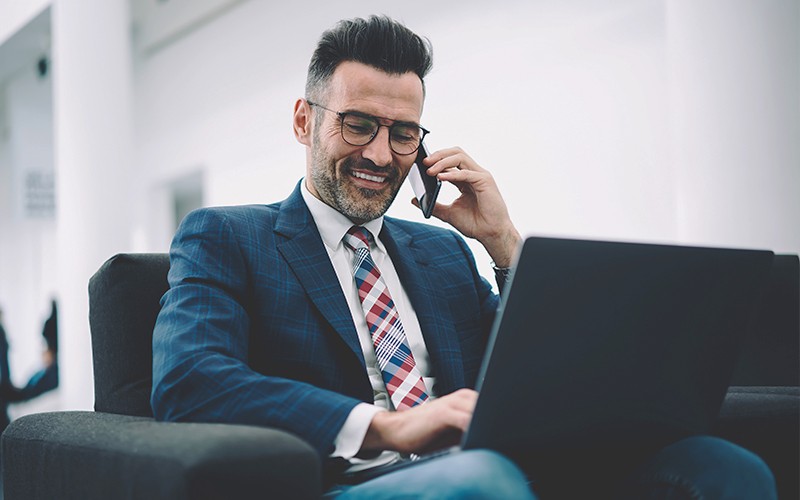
pixel 451 162
pixel 468 401
pixel 443 153
pixel 465 407
pixel 445 212
pixel 456 418
pixel 470 177
pixel 457 402
pixel 465 393
pixel 461 421
pixel 463 400
pixel 453 158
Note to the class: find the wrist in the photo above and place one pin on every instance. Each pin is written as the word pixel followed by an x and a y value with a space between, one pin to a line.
pixel 503 248
pixel 379 433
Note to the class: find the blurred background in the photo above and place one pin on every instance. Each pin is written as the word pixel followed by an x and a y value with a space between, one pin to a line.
pixel 645 120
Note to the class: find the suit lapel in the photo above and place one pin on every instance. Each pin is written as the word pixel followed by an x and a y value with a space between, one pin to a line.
pixel 417 275
pixel 305 253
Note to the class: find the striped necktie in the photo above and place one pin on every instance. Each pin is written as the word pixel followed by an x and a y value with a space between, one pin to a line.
pixel 400 374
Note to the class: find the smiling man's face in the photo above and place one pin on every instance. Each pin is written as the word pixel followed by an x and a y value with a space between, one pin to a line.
pixel 361 181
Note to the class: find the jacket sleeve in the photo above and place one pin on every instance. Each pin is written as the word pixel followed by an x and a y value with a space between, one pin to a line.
pixel 200 345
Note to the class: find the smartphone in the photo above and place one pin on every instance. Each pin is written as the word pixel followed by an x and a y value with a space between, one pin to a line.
pixel 426 188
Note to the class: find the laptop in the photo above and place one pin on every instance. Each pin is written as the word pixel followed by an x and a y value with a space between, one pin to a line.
pixel 600 344
pixel 605 343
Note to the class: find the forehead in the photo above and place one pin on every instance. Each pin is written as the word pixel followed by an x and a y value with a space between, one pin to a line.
pixel 358 87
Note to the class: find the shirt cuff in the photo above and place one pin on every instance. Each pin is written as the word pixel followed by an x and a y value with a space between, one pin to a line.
pixel 350 438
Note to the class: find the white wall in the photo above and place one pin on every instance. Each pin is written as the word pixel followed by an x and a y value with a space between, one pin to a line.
pixel 735 102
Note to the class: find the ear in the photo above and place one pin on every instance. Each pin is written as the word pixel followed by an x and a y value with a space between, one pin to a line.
pixel 302 122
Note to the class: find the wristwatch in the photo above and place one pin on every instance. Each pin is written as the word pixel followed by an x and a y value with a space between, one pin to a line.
pixel 503 273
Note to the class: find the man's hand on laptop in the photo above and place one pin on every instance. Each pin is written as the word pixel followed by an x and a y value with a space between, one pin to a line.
pixel 432 426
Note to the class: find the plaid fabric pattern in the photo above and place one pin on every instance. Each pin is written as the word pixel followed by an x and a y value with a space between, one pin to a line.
pixel 395 360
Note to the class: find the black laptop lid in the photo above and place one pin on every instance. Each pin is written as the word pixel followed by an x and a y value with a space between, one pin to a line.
pixel 606 342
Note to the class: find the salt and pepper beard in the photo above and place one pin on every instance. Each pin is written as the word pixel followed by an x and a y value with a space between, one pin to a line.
pixel 336 191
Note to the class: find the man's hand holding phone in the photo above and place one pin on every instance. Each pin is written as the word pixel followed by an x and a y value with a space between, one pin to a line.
pixel 479 212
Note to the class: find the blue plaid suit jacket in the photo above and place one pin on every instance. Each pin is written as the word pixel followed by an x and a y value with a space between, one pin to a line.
pixel 255 328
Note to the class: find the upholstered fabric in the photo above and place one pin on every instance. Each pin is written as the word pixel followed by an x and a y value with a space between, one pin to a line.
pixel 124 298
pixel 770 355
pixel 762 409
pixel 93 455
pixel 766 420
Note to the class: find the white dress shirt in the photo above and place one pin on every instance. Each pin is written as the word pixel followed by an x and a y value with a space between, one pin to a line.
pixel 332 226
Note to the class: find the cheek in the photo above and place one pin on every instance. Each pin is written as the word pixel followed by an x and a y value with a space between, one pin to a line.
pixel 405 167
pixel 344 156
pixel 332 136
pixel 328 150
pixel 332 133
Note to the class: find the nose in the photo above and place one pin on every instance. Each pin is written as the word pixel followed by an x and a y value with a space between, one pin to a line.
pixel 378 150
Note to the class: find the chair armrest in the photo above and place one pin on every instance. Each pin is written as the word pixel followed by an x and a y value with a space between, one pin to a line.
pixel 90 455
pixel 766 420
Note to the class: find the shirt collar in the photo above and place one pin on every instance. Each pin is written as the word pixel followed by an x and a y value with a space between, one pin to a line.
pixel 332 224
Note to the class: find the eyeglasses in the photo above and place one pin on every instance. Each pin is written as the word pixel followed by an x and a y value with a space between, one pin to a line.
pixel 359 129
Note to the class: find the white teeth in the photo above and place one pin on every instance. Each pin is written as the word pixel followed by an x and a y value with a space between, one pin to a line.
pixel 372 178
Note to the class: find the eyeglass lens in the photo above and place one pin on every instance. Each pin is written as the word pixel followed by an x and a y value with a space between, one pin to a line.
pixel 360 130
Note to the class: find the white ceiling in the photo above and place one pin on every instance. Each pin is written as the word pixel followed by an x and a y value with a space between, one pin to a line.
pixel 155 24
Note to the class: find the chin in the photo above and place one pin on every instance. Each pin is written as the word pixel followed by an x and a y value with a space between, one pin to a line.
pixel 366 205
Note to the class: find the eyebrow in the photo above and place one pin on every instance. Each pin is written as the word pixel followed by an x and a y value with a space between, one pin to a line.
pixel 355 112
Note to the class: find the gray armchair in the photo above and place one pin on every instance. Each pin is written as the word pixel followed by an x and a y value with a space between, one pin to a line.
pixel 118 451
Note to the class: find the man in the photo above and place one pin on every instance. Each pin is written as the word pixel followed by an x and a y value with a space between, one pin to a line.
pixel 360 333
pixel 46 379
pixel 7 390
pixel 40 382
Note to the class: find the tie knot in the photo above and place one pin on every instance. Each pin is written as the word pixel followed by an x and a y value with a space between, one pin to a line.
pixel 357 237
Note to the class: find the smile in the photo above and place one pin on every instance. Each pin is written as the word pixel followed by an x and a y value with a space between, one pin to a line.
pixel 373 178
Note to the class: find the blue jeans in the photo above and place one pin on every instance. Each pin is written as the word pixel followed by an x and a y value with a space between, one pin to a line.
pixel 468 474
pixel 694 468
pixel 702 467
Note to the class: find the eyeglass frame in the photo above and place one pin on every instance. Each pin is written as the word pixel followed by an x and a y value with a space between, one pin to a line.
pixel 377 120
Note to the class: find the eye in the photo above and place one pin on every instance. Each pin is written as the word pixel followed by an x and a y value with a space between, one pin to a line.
pixel 357 125
pixel 405 134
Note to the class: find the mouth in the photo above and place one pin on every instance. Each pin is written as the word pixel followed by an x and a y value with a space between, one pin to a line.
pixel 369 177
pixel 370 180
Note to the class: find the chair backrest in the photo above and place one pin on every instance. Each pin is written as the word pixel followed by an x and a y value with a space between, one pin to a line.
pixel 770 356
pixel 124 301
